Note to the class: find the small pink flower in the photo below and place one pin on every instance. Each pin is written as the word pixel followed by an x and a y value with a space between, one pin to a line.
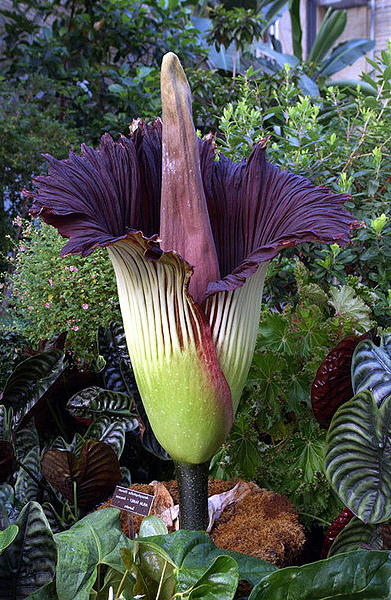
pixel 75 328
pixel 71 278
pixel 74 269
pixel 66 268
pixel 51 282
pixel 22 248
pixel 1 286
pixel 85 306
pixel 47 304
pixel 30 308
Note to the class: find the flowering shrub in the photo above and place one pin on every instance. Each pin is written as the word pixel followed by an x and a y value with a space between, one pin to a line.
pixel 50 294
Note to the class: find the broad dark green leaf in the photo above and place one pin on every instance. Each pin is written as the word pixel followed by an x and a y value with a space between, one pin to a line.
pixel 108 431
pixel 278 57
pixel 26 439
pixel 152 525
pixel 273 333
pixel 357 461
pixel 359 575
pixel 126 477
pixel 273 10
pixel 75 445
pixel 114 578
pixel 345 54
pixel 297 33
pixel 7 536
pixel 371 368
pixel 331 28
pixel 7 451
pixel 6 415
pixel 219 582
pixel 346 302
pixel 30 381
pixel 96 539
pixel 9 506
pixel 216 579
pixel 356 534
pixel 30 561
pixel 95 402
pixel 192 552
pixel 26 487
pixel 113 347
pixel 308 86
pixel 47 592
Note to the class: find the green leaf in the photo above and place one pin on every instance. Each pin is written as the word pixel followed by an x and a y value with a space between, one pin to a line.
pixel 345 54
pixel 93 541
pixel 355 575
pixel 192 552
pixel 357 462
pixel 280 58
pixel 347 304
pixel 152 525
pixel 109 432
pixel 26 439
pixel 297 33
pixel 273 10
pixel 314 292
pixel 26 487
pixel 94 402
pixel 30 561
pixel 354 535
pixel 113 578
pixel 6 423
pixel 9 506
pixel 47 592
pixel 74 446
pixel 266 372
pixel 112 345
pixel 7 536
pixel 30 381
pixel 310 330
pixel 273 333
pixel 331 28
pixel 219 582
pixel 116 88
pixel 371 368
pixel 308 456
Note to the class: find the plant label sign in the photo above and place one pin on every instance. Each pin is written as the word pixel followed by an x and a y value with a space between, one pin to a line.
pixel 132 501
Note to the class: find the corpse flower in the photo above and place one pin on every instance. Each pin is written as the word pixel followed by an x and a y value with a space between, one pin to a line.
pixel 190 238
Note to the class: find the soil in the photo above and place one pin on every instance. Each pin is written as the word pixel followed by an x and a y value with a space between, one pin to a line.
pixel 262 524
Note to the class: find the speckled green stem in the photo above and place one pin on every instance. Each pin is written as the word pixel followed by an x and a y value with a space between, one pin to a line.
pixel 193 495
